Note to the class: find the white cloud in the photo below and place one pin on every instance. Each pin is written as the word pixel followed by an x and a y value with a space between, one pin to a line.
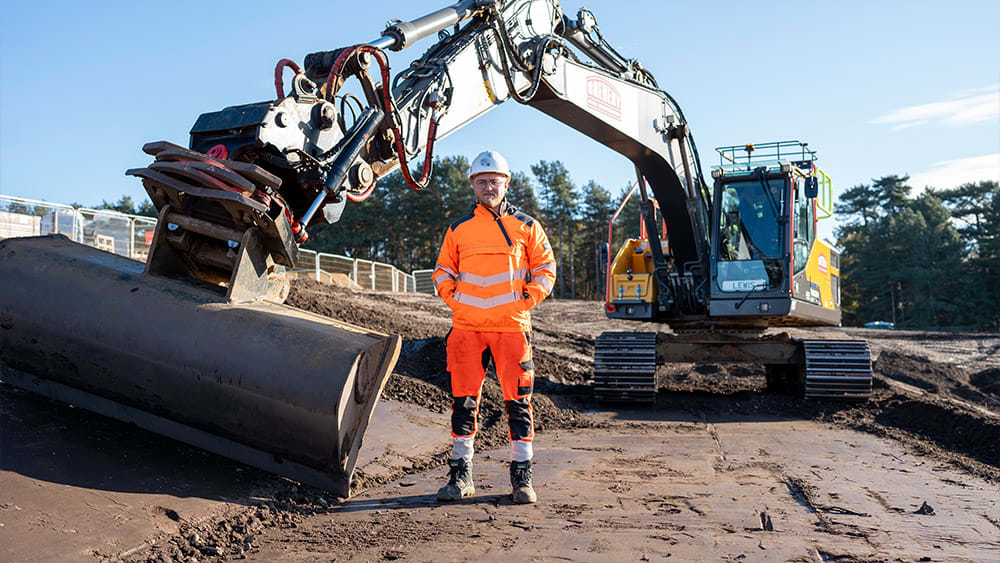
pixel 969 92
pixel 974 107
pixel 953 173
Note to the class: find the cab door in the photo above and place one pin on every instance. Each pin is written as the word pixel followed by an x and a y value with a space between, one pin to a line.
pixel 751 246
pixel 815 266
pixel 803 241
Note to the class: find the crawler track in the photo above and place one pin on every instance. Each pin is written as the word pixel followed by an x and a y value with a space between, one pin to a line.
pixel 625 367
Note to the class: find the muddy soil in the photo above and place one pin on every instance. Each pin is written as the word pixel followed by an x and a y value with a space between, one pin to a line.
pixel 934 391
pixel 936 404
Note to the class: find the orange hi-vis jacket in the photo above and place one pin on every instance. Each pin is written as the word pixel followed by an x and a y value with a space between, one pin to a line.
pixel 482 267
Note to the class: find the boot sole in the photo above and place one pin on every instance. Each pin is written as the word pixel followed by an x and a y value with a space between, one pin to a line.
pixel 462 494
pixel 523 499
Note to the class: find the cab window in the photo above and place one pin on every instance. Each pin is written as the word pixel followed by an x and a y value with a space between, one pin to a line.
pixel 805 226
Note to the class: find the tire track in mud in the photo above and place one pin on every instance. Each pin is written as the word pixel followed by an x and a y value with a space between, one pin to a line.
pixel 878 498
pixel 804 494
pixel 717 441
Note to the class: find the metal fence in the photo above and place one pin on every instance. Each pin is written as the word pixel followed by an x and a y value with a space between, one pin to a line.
pixel 131 236
pixel 423 281
pixel 365 273
pixel 120 233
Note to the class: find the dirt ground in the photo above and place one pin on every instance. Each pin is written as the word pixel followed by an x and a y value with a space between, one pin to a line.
pixel 716 470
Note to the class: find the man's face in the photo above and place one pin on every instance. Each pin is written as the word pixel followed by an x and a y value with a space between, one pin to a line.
pixel 490 188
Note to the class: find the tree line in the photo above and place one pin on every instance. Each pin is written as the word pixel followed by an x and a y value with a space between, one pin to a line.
pixel 405 227
pixel 930 260
pixel 926 261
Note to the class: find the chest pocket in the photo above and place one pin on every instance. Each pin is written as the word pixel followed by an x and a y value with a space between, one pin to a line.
pixel 488 266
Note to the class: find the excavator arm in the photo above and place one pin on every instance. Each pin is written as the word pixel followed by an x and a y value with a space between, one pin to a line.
pixel 527 50
pixel 323 147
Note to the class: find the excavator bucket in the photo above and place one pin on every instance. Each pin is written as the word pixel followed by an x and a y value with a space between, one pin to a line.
pixel 265 384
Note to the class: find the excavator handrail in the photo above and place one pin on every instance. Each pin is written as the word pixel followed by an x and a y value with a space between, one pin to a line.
pixel 611 223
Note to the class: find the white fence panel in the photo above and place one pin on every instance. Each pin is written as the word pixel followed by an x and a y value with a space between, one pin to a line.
pixel 107 230
pixel 307 260
pixel 143 229
pixel 423 282
pixel 384 274
pixel 337 265
pixel 365 273
pixel 23 217
pixel 132 235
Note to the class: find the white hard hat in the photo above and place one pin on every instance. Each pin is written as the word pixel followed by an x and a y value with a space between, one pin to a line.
pixel 489 161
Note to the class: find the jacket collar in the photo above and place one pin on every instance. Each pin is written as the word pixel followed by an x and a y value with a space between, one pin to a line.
pixel 505 208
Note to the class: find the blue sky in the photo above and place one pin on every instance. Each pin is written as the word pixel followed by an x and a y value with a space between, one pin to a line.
pixel 875 87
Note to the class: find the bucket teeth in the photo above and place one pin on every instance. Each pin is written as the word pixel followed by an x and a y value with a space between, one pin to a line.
pixel 191 173
pixel 168 152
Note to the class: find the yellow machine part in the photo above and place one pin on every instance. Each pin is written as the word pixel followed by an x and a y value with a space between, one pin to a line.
pixel 820 271
pixel 632 271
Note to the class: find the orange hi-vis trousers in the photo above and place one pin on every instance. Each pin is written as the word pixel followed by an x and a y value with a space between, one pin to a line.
pixel 467 361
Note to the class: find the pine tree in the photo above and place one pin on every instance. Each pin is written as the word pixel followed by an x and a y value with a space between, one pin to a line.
pixel 860 204
pixel 557 208
pixel 902 259
pixel 893 192
pixel 976 208
pixel 126 205
pixel 595 212
pixel 522 195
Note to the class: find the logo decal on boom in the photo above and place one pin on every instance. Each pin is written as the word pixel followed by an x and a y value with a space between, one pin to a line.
pixel 604 98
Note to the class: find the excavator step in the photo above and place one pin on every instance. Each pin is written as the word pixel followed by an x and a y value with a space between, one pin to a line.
pixel 625 367
pixel 837 369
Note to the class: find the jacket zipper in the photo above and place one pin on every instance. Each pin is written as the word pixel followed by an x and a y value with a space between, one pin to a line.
pixel 498 218
pixel 500 223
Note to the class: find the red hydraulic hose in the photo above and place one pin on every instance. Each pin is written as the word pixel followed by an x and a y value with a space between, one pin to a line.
pixel 361 196
pixel 279 84
pixel 390 110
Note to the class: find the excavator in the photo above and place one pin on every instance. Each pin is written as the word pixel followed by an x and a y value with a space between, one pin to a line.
pixel 196 343
pixel 761 267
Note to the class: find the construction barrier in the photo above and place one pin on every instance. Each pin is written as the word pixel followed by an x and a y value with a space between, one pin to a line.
pixel 423 281
pixel 366 274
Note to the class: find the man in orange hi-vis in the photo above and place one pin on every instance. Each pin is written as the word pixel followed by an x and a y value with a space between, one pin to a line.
pixel 481 274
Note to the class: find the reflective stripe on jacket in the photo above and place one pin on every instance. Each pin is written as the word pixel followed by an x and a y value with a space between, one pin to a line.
pixel 482 267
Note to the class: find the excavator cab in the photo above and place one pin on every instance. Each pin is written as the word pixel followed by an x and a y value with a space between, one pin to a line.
pixel 766 261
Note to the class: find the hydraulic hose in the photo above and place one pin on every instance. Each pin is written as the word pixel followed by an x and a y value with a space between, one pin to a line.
pixel 338 170
pixel 389 107
pixel 279 84
pixel 366 125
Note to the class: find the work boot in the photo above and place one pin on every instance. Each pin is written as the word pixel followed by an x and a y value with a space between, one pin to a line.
pixel 520 482
pixel 459 481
